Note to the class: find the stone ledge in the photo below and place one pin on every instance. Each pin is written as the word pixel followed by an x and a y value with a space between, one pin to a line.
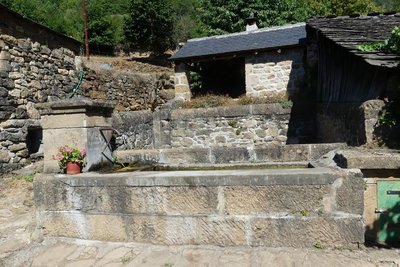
pixel 311 176
pixel 221 155
pixel 361 159
pixel 75 105
pixel 230 111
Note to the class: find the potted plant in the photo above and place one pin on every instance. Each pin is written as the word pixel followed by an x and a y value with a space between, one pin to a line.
pixel 70 159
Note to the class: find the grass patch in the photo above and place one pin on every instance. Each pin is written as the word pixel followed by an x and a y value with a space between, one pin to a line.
pixel 318 245
pixel 305 213
pixel 26 178
pixel 126 259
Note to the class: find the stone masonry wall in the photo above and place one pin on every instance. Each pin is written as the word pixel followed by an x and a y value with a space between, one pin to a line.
pixel 130 91
pixel 31 73
pixel 247 126
pixel 240 126
pixel 133 130
pixel 340 123
pixel 277 72
pixel 353 123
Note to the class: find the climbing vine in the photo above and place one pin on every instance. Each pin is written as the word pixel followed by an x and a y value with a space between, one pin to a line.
pixel 390 45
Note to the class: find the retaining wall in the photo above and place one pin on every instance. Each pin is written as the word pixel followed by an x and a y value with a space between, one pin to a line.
pixel 233 126
pixel 275 208
pixel 32 73
pixel 353 123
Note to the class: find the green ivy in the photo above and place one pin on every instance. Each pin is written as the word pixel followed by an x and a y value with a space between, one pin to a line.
pixel 390 45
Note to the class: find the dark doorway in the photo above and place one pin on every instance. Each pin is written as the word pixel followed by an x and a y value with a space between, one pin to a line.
pixel 34 140
pixel 223 77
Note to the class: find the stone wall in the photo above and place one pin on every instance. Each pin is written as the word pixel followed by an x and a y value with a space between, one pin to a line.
pixel 133 130
pixel 31 73
pixel 232 126
pixel 352 123
pixel 19 26
pixel 238 126
pixel 130 91
pixel 275 208
pixel 277 72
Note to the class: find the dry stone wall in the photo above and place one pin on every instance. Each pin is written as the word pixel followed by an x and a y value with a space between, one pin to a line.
pixel 32 73
pixel 130 91
pixel 29 73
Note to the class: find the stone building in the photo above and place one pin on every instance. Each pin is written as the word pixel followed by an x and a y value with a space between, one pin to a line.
pixel 257 62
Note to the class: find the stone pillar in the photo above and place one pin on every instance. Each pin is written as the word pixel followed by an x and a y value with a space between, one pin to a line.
pixel 371 110
pixel 78 123
pixel 182 89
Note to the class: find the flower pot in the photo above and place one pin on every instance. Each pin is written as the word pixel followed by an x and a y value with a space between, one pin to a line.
pixel 73 168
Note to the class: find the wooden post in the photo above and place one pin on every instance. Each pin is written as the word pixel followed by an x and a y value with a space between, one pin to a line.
pixel 86 29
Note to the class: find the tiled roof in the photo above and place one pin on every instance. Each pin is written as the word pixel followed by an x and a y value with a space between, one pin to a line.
pixel 349 32
pixel 243 42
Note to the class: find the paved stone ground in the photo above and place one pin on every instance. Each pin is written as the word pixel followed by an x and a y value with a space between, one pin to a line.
pixel 20 246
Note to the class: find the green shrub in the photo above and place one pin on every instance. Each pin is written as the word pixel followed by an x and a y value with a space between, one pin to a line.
pixel 390 45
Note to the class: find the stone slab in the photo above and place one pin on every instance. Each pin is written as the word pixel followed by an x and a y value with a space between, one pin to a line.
pixel 311 176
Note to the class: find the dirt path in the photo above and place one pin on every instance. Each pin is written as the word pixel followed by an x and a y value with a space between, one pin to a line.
pixel 20 246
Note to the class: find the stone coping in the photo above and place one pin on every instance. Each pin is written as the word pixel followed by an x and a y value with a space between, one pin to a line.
pixel 229 111
pixel 223 155
pixel 311 176
pixel 370 158
pixel 80 104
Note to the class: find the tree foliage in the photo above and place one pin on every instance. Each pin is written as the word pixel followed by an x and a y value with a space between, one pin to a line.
pixel 340 7
pixel 150 25
pixel 227 16
pixel 389 5
pixel 219 16
pixel 158 24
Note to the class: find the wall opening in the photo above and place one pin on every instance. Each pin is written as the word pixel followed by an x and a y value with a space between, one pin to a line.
pixel 34 140
pixel 221 77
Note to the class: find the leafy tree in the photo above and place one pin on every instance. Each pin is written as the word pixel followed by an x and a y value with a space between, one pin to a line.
pixel 341 7
pixel 389 5
pixel 158 24
pixel 227 16
pixel 219 16
pixel 185 23
pixel 150 25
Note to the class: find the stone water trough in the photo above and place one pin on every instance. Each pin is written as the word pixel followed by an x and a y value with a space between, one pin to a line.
pixel 275 207
pixel 271 207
